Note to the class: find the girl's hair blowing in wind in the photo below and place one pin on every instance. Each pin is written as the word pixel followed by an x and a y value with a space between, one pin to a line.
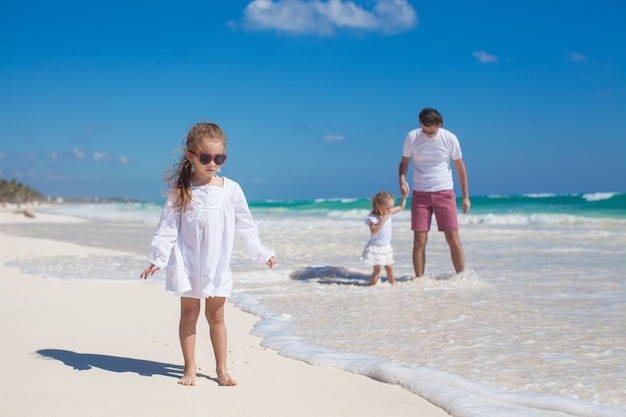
pixel 179 177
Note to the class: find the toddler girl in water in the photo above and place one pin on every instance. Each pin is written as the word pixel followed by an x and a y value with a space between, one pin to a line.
pixel 194 242
pixel 378 250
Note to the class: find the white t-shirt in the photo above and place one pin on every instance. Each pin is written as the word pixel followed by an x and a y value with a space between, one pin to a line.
pixel 431 159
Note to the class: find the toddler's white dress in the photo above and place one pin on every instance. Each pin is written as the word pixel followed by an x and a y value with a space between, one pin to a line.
pixel 195 246
pixel 378 250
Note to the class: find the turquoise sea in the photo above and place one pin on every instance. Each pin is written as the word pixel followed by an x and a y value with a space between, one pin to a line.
pixel 502 208
pixel 610 205
pixel 535 326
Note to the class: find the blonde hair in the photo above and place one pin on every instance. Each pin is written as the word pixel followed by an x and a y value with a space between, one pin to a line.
pixel 179 177
pixel 378 199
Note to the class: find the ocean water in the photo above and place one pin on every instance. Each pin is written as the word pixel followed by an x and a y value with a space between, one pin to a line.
pixel 535 326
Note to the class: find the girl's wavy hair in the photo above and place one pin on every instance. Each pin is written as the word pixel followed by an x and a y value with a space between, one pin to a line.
pixel 378 199
pixel 179 177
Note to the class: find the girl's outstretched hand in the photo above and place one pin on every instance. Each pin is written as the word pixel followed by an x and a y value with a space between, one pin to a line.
pixel 149 271
pixel 271 261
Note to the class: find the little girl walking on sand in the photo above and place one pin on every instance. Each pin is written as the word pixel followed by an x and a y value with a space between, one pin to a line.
pixel 194 242
pixel 378 250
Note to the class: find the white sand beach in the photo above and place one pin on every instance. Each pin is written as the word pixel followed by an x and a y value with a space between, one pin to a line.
pixel 103 348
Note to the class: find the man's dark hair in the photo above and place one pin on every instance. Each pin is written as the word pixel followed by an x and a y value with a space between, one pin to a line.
pixel 430 117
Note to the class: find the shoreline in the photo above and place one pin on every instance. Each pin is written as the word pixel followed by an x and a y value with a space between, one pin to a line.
pixel 88 347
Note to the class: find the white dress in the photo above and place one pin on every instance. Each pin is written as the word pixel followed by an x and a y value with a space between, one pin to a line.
pixel 378 250
pixel 195 246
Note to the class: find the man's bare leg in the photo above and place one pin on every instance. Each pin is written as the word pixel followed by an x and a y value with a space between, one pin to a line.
pixel 419 252
pixel 456 250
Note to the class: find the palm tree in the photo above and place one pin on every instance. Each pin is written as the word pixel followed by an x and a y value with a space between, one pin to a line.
pixel 15 192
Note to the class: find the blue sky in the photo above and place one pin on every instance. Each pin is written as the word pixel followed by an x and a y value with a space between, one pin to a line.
pixel 316 97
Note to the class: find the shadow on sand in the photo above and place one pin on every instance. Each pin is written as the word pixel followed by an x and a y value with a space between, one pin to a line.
pixel 330 275
pixel 339 275
pixel 86 361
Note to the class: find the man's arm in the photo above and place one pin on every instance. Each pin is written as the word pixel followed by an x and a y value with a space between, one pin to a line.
pixel 402 170
pixel 461 174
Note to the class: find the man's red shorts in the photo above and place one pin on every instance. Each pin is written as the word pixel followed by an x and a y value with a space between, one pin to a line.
pixel 442 203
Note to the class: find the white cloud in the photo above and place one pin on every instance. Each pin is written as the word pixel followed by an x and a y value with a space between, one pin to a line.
pixel 101 156
pixel 25 174
pixel 575 56
pixel 324 17
pixel 232 24
pixel 346 14
pixel 484 57
pixel 332 137
pixel 78 153
pixel 396 15
pixel 55 177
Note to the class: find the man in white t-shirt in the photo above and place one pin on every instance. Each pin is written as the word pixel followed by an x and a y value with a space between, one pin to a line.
pixel 432 148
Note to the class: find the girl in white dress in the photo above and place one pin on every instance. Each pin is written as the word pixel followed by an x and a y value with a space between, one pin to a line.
pixel 378 250
pixel 194 242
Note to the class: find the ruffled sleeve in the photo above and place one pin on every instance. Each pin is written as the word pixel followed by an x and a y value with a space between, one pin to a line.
pixel 372 219
pixel 247 228
pixel 166 234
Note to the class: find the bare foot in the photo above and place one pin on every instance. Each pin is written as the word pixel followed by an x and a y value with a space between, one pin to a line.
pixel 189 378
pixel 225 380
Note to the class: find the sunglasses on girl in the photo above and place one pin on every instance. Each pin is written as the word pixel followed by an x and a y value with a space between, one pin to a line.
pixel 206 158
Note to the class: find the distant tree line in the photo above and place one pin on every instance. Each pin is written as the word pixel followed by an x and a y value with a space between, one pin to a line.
pixel 14 192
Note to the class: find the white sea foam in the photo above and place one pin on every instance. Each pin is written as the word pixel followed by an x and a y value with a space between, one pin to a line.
pixel 340 200
pixel 521 219
pixel 598 196
pixel 540 195
pixel 115 212
pixel 534 328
